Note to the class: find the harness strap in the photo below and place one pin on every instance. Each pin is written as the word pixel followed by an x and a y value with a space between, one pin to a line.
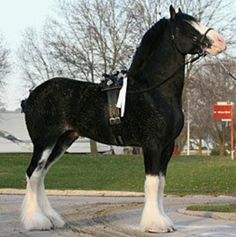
pixel 114 112
pixel 112 93
pixel 116 130
pixel 205 34
pixel 159 84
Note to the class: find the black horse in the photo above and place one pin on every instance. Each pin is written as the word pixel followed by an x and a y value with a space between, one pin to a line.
pixel 60 110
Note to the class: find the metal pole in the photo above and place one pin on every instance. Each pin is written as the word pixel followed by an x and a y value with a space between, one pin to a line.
pixel 232 136
pixel 223 137
pixel 188 137
pixel 188 126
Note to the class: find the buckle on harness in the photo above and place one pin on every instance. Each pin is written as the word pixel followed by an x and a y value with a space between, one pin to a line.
pixel 115 121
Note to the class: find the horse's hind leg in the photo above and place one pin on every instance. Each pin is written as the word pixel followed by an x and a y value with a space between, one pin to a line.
pixel 59 149
pixel 31 213
pixel 37 212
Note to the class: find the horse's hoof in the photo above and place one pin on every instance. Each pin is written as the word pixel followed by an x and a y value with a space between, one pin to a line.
pixel 168 229
pixel 38 222
pixel 55 218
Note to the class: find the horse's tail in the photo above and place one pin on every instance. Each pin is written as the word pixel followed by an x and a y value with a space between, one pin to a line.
pixel 23 105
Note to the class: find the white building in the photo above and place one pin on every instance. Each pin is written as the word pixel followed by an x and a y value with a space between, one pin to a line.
pixel 14 136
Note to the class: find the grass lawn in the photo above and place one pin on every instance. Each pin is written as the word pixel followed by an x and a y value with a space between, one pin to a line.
pixel 186 175
pixel 214 208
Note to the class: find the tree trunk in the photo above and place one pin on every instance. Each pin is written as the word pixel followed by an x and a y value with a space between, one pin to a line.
pixel 222 148
pixel 200 147
pixel 93 147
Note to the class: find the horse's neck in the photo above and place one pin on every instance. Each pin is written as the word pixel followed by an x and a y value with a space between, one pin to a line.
pixel 164 61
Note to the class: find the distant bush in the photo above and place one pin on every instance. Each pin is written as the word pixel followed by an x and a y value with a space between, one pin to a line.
pixel 216 152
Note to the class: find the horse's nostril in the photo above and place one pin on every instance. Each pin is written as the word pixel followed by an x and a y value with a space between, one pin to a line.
pixel 221 42
pixel 221 39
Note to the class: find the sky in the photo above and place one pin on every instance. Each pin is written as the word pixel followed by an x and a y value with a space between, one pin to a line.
pixel 15 17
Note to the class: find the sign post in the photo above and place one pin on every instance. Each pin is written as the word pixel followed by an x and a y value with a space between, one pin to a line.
pixel 224 111
pixel 232 136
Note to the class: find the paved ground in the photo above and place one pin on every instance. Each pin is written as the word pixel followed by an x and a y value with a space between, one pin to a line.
pixel 114 216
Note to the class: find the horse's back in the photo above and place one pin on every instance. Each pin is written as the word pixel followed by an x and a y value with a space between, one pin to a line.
pixel 59 86
pixel 55 104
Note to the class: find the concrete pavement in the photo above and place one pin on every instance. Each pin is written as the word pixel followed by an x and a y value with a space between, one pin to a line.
pixel 115 216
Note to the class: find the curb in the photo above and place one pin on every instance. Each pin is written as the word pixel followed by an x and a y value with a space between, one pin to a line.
pixel 10 191
pixel 214 215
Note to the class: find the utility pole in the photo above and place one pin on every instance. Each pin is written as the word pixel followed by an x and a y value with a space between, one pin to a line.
pixel 232 135
pixel 188 128
pixel 188 137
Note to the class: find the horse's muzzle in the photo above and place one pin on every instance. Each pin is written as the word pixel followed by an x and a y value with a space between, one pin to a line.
pixel 218 43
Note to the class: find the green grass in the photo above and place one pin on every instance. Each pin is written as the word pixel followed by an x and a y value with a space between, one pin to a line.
pixel 202 175
pixel 214 208
pixel 186 175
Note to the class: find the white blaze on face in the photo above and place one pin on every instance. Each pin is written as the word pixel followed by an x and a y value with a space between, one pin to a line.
pixel 218 44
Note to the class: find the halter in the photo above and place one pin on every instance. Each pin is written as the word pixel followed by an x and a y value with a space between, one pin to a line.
pixel 199 45
pixel 201 53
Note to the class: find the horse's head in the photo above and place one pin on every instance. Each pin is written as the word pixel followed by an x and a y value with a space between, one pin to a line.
pixel 190 36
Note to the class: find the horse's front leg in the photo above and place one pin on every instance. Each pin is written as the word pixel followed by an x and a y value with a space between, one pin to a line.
pixel 153 217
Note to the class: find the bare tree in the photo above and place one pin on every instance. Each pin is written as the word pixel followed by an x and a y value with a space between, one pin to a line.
pixel 36 61
pixel 4 66
pixel 92 37
pixel 96 36
pixel 4 61
pixel 210 84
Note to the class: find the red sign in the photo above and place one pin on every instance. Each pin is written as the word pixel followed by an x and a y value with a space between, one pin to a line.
pixel 222 112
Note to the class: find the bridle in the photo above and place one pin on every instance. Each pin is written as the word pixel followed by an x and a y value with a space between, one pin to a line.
pixel 200 53
pixel 198 46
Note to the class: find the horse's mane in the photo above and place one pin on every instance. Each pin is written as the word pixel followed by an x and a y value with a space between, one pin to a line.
pixel 151 37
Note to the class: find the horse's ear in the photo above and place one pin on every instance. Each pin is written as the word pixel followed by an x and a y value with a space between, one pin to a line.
pixel 180 11
pixel 172 12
